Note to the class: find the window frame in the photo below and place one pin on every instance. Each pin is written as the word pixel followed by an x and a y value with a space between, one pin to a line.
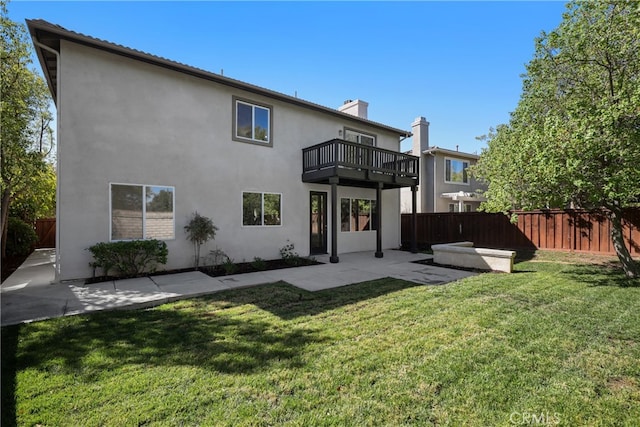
pixel 144 211
pixel 372 225
pixel 262 224
pixel 465 174
pixel 359 135
pixel 253 104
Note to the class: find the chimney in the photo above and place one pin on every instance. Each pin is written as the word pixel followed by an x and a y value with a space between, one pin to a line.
pixel 420 130
pixel 356 108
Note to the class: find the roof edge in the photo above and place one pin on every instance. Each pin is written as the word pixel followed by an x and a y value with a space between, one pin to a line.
pixel 39 27
pixel 436 149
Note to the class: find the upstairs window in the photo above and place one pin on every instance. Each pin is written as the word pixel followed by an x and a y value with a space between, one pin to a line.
pixel 455 171
pixel 358 137
pixel 252 122
pixel 142 212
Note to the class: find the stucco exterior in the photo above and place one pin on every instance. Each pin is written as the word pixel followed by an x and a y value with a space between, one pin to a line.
pixel 123 120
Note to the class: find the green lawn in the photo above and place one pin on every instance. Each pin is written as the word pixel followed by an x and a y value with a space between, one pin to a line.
pixel 555 343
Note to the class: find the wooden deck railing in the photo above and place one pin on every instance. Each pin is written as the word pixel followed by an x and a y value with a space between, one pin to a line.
pixel 338 153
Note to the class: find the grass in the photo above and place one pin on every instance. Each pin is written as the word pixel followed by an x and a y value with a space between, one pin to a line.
pixel 557 342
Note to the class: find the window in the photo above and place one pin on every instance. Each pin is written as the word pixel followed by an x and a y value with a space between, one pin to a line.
pixel 455 207
pixel 360 138
pixel 260 209
pixel 358 215
pixel 142 212
pixel 252 122
pixel 456 171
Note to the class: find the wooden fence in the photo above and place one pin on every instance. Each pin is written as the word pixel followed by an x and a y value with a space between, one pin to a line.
pixel 569 230
pixel 46 231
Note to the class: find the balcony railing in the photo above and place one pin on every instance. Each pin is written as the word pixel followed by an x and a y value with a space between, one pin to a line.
pixel 358 164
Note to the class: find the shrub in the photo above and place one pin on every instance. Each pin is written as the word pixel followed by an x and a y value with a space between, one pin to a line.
pixel 289 255
pixel 229 266
pixel 20 237
pixel 129 258
pixel 200 230
pixel 259 264
pixel 216 257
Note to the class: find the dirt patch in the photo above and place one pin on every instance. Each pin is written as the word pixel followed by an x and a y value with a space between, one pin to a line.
pixel 618 384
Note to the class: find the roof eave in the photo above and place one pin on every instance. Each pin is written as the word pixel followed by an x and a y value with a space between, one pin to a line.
pixel 40 53
pixel 436 150
pixel 39 27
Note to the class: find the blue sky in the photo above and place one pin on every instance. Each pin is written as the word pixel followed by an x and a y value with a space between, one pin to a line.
pixel 459 64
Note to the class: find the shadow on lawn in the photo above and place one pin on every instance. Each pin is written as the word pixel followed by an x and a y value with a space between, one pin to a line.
pixel 197 332
pixel 8 377
pixel 203 337
pixel 288 302
pixel 609 274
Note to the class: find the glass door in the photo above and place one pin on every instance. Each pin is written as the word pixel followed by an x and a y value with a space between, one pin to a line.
pixel 318 223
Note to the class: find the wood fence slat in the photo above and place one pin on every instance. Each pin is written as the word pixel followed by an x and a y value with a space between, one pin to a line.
pixel 573 230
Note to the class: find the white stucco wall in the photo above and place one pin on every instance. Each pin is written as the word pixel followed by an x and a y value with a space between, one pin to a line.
pixel 125 121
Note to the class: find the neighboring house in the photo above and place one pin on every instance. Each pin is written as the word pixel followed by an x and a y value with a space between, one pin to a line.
pixel 445 185
pixel 144 142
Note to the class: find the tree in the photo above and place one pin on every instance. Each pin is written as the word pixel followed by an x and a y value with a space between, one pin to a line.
pixel 25 131
pixel 574 137
pixel 39 201
pixel 200 230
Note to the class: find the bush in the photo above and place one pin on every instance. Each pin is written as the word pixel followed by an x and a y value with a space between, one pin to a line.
pixel 130 258
pixel 229 266
pixel 216 257
pixel 259 264
pixel 20 237
pixel 289 255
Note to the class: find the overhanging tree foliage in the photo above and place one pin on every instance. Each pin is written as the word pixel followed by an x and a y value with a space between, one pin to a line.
pixel 25 129
pixel 574 138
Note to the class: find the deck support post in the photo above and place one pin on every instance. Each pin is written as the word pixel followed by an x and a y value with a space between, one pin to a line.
pixel 379 253
pixel 334 220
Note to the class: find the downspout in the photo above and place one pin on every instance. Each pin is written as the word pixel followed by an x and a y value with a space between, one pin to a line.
pixel 435 166
pixel 402 138
pixel 57 104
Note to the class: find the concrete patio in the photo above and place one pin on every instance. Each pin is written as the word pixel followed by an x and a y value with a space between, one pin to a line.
pixel 31 294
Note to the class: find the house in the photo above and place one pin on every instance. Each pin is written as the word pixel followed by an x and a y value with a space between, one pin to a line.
pixel 444 184
pixel 144 142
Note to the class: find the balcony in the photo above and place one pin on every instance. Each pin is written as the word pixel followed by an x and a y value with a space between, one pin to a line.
pixel 358 165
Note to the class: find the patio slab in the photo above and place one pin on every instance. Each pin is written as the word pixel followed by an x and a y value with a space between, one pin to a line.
pixel 33 297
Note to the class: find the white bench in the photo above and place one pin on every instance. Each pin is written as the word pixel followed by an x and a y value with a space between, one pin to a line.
pixel 463 254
